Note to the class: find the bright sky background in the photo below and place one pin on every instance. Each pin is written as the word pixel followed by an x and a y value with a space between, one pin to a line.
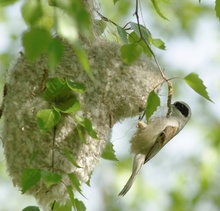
pixel 198 54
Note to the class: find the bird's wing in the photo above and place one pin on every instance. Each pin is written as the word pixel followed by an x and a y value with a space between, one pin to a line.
pixel 163 138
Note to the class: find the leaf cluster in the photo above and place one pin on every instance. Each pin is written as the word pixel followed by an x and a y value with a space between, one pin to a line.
pixel 191 79
pixel 69 19
pixel 31 177
pixel 59 92
pixel 136 42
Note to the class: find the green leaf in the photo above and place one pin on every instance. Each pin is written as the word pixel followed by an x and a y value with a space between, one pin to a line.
pixel 30 177
pixel 197 85
pixel 81 54
pixel 156 7
pixel 7 2
pixel 158 43
pixel 76 9
pixel 217 8
pixel 87 124
pixel 76 87
pixel 130 52
pixel 133 38
pixel 115 1
pixel 66 28
pixel 31 208
pixel 47 119
pixel 81 134
pixel 56 90
pixel 64 207
pixel 34 155
pixel 123 34
pixel 32 11
pixel 71 194
pixel 74 180
pixel 54 53
pixel 68 106
pixel 79 205
pixel 50 178
pixel 109 152
pixel 99 26
pixel 71 158
pixel 153 102
pixel 35 42
pixel 144 31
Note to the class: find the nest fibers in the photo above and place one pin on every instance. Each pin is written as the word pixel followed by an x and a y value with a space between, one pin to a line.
pixel 122 90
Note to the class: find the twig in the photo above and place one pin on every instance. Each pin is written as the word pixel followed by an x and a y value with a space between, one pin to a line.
pixel 53 148
pixel 106 19
pixel 142 38
pixel 170 86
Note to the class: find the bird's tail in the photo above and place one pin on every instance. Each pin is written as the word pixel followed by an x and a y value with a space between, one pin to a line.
pixel 139 160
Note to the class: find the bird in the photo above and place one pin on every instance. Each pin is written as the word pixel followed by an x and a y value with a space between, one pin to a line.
pixel 152 137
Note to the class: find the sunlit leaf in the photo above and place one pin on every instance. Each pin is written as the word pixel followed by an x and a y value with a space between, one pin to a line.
pixel 156 7
pixel 153 102
pixel 50 178
pixel 130 52
pixel 31 208
pixel 109 152
pixel 70 105
pixel 35 42
pixel 75 86
pixel 158 43
pixel 87 124
pixel 66 27
pixel 47 119
pixel 30 177
pixel 123 34
pixel 197 85
pixel 32 12
pixel 71 158
pixel 54 53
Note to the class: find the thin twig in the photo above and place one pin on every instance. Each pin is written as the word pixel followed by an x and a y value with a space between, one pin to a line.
pixel 52 206
pixel 170 86
pixel 142 38
pixel 106 19
pixel 53 148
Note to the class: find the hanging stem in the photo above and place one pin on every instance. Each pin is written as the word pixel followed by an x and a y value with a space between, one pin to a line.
pixel 170 86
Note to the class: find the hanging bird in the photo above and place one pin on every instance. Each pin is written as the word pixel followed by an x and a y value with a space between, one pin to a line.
pixel 151 138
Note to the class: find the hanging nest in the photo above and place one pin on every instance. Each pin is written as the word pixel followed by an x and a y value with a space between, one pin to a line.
pixel 121 92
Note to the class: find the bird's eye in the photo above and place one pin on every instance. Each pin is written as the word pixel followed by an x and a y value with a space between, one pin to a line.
pixel 182 108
